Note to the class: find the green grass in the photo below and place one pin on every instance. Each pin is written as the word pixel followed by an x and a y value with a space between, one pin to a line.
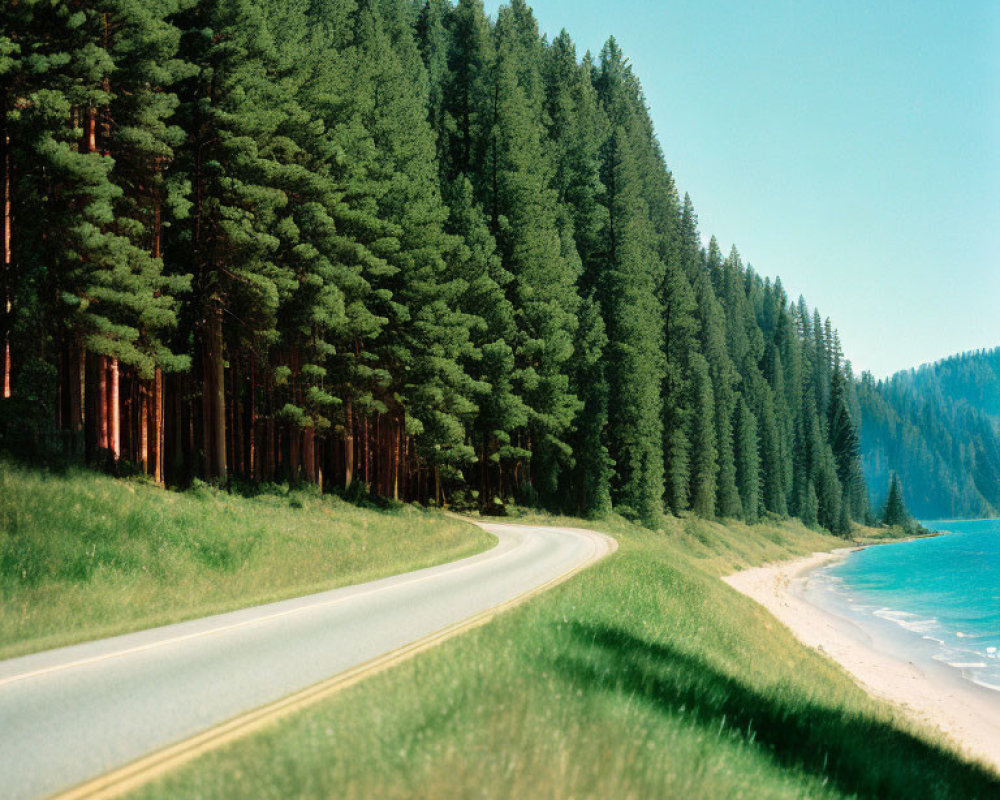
pixel 644 677
pixel 84 556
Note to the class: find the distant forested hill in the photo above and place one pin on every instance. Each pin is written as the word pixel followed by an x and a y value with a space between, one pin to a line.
pixel 939 428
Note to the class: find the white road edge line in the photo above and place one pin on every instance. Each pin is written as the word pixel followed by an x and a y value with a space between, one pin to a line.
pixel 251 622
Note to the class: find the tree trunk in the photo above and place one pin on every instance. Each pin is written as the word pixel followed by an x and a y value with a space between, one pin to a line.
pixel 214 396
pixel 270 437
pixel 366 447
pixel 294 435
pixel 70 387
pixel 96 391
pixel 348 442
pixel 231 407
pixel 145 407
pixel 6 277
pixel 156 427
pixel 101 404
pixel 309 454
pixel 114 410
pixel 251 424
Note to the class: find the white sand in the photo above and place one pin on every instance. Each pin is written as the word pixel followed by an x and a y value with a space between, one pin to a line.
pixel 969 715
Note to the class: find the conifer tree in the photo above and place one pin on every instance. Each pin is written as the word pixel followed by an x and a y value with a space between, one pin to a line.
pixel 895 512
pixel 500 408
pixel 680 340
pixel 531 237
pixel 590 479
pixel 723 373
pixel 90 100
pixel 231 109
pixel 747 461
pixel 704 458
pixel 430 252
pixel 429 336
pixel 843 438
pixel 628 295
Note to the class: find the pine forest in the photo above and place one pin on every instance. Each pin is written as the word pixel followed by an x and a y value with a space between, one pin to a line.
pixel 939 428
pixel 394 247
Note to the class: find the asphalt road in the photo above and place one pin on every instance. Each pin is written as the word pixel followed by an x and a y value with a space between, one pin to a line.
pixel 72 714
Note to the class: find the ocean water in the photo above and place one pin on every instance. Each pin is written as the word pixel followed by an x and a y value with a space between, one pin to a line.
pixel 943 590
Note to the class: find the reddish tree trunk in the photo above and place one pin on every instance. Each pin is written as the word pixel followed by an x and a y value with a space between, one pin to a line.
pixel 309 454
pixel 270 436
pixel 70 395
pixel 239 419
pixel 5 265
pixel 367 448
pixel 114 410
pixel 156 442
pixel 145 411
pixel 214 396
pixel 101 404
pixel 233 459
pixel 251 423
pixel 396 434
pixel 294 436
pixel 348 442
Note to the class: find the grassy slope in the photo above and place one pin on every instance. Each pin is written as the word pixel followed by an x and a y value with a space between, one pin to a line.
pixel 646 676
pixel 84 556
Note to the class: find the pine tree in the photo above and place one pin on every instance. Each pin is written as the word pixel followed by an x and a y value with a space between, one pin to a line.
pixel 427 339
pixel 704 457
pixel 231 109
pixel 680 342
pixel 629 301
pixel 534 246
pixel 723 371
pixel 468 99
pixel 843 439
pixel 590 480
pixel 501 411
pixel 748 461
pixel 429 252
pixel 90 122
pixel 340 287
pixel 895 513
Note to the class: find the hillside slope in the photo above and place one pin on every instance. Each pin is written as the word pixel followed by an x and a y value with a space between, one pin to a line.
pixel 939 428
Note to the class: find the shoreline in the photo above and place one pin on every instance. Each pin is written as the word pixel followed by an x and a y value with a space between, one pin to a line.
pixel 928 692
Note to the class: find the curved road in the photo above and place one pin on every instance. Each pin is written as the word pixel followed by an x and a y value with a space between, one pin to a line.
pixel 72 714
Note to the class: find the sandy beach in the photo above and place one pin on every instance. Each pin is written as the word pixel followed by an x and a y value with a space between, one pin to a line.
pixel 968 714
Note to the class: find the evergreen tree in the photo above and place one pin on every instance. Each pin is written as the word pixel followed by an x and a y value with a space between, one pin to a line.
pixel 843 439
pixel 427 338
pixel 895 512
pixel 590 480
pixel 631 311
pixel 430 252
pixel 748 462
pixel 704 466
pixel 534 246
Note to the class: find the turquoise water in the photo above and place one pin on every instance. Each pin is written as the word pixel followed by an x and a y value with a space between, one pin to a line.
pixel 944 590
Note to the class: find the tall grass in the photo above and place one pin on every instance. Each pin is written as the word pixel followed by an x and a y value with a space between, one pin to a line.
pixel 84 556
pixel 644 677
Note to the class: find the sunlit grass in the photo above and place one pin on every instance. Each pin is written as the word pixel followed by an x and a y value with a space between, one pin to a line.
pixel 84 556
pixel 644 677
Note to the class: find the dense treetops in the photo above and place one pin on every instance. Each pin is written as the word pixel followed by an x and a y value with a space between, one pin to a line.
pixel 939 428
pixel 396 245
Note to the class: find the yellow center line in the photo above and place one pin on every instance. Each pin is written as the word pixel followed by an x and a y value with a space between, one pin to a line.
pixel 131 776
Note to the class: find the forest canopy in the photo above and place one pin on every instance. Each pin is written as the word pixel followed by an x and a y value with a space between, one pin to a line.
pixel 938 427
pixel 389 244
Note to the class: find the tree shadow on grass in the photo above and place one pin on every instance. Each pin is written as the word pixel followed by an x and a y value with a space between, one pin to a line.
pixel 856 753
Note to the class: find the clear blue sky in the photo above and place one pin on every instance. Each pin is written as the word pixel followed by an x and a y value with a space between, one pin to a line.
pixel 853 148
